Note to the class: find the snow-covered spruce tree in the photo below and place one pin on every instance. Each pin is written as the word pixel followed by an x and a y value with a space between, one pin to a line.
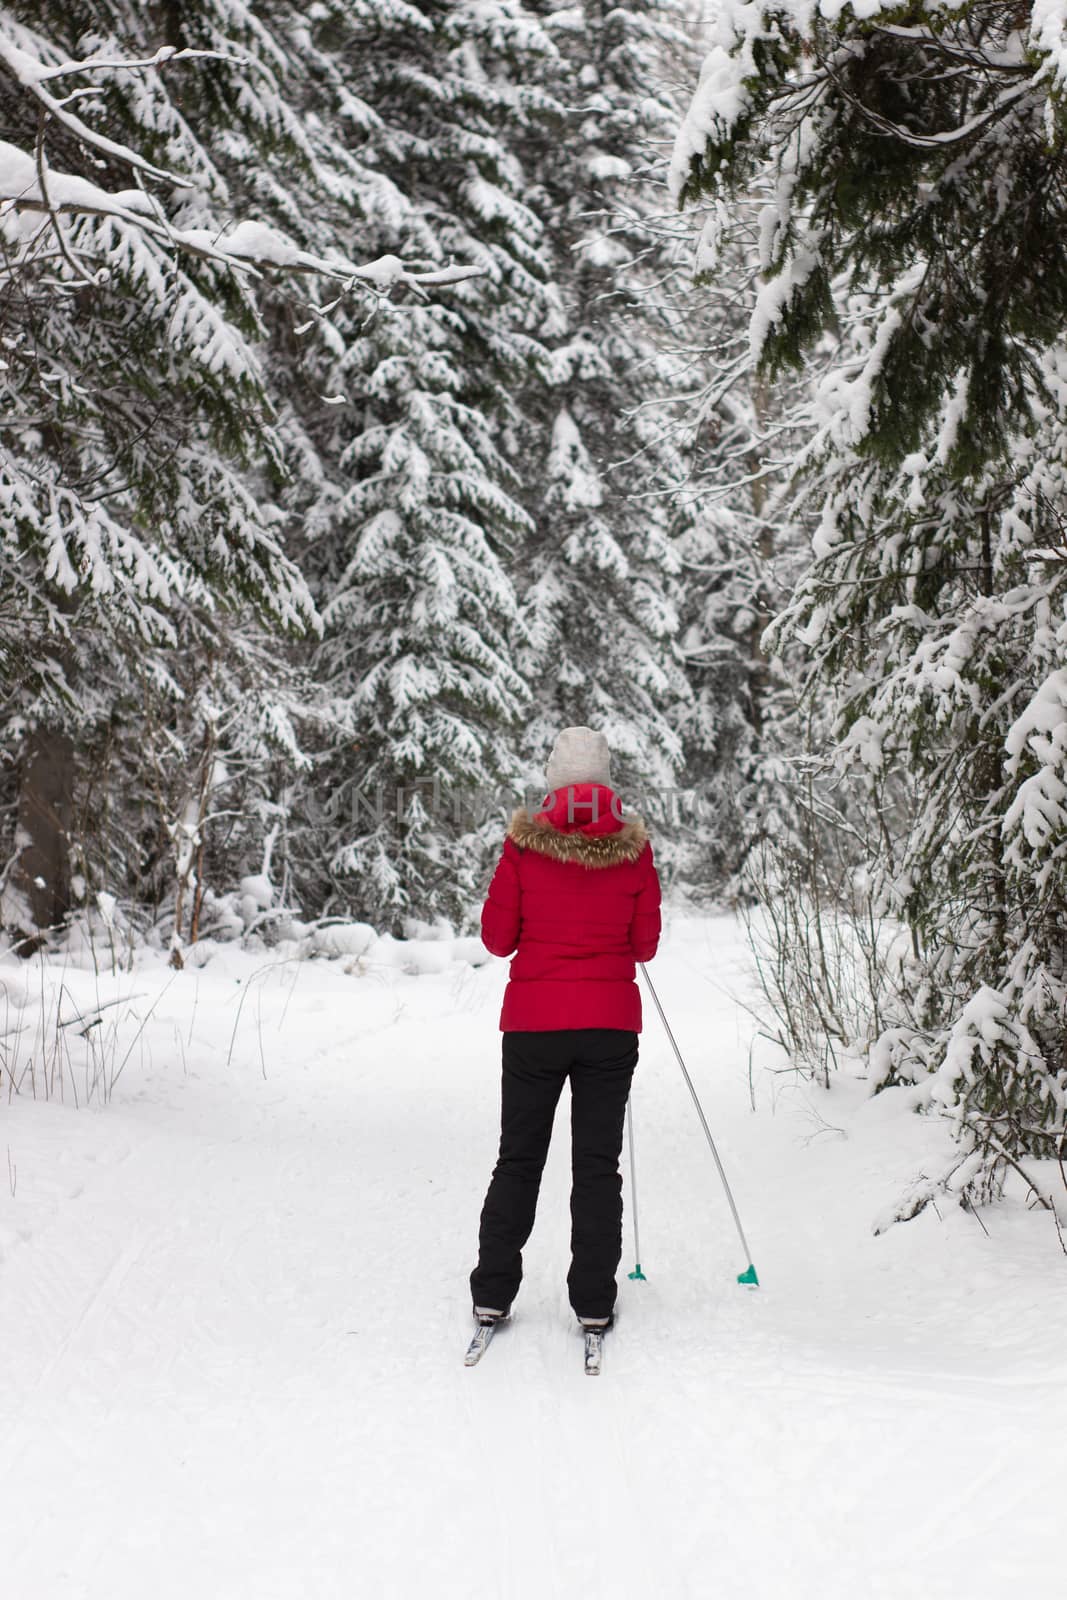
pixel 416 655
pixel 412 508
pixel 783 836
pixel 413 520
pixel 131 394
pixel 141 461
pixel 919 161
pixel 738 546
pixel 649 574
pixel 656 521
pixel 601 458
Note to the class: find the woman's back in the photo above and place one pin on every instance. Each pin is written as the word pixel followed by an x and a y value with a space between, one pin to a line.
pixel 576 896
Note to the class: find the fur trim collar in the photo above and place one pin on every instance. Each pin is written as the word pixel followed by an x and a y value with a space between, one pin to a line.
pixel 589 850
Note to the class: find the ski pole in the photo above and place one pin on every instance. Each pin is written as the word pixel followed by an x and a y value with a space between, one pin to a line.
pixel 749 1275
pixel 636 1273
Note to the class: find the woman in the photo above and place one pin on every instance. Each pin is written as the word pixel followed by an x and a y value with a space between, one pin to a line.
pixel 577 896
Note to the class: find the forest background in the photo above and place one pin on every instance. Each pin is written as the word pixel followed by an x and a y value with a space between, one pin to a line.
pixel 388 384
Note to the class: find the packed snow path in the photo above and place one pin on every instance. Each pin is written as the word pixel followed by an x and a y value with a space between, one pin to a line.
pixel 233 1310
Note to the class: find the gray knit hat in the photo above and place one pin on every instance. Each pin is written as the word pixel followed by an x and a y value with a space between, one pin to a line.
pixel 579 756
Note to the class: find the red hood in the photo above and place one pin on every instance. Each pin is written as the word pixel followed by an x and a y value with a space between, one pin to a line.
pixel 590 808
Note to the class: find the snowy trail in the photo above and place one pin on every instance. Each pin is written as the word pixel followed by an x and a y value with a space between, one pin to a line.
pixel 201 1288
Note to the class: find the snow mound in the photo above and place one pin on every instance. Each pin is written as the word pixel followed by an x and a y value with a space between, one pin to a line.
pixel 343 939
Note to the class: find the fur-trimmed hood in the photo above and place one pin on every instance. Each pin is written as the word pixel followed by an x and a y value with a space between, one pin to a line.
pixel 588 849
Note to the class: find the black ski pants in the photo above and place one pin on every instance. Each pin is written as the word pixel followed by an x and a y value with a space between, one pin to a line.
pixel 599 1063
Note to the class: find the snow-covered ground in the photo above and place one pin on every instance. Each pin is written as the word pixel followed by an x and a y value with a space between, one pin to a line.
pixel 233 1308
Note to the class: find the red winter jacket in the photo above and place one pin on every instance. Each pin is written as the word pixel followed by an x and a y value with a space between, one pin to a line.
pixel 576 895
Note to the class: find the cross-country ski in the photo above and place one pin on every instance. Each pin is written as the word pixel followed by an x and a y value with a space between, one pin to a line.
pixel 594 1352
pixel 480 1341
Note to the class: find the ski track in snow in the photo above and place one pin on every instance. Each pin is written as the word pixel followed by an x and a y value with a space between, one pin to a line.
pixel 233 1311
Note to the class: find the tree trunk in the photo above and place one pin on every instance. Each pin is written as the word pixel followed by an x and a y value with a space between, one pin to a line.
pixel 759 672
pixel 41 874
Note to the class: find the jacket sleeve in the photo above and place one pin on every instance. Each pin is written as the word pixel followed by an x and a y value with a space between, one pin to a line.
pixel 645 923
pixel 501 912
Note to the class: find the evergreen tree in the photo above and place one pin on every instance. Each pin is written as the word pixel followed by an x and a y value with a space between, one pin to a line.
pixel 135 398
pixel 658 514
pixel 737 543
pixel 917 157
pixel 601 461
pixel 142 459
pixel 415 518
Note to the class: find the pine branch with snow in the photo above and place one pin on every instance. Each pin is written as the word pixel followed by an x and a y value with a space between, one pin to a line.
pixel 911 247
